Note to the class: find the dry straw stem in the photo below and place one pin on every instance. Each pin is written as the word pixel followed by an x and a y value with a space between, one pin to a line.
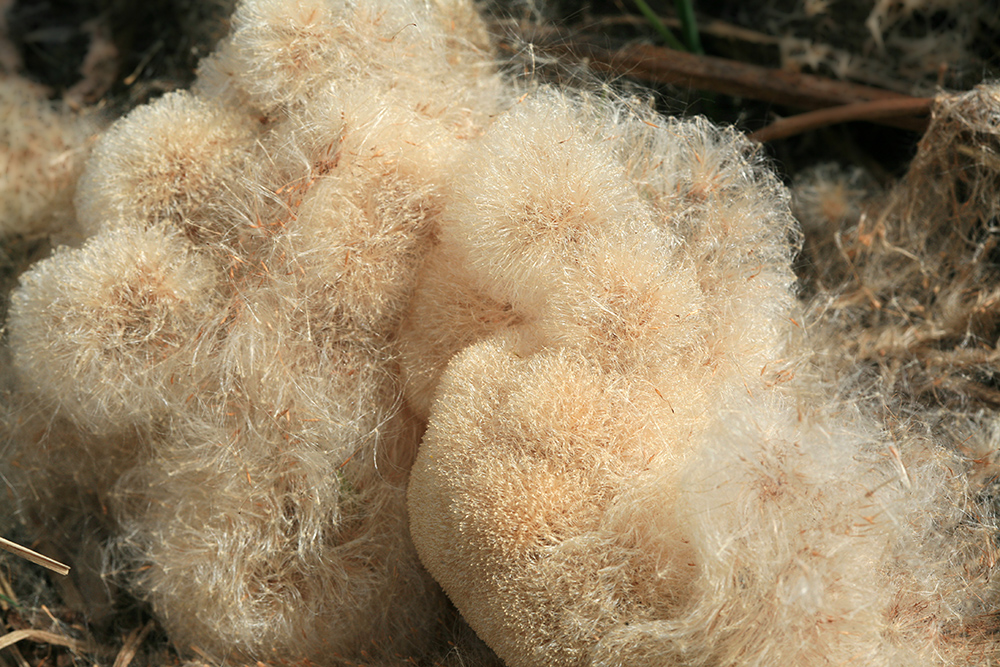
pixel 706 26
pixel 34 557
pixel 908 276
pixel 132 644
pixel 43 637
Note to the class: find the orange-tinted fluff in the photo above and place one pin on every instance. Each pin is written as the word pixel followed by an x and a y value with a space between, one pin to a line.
pixel 165 161
pixel 615 343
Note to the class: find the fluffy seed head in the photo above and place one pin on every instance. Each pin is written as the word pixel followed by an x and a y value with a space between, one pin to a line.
pixel 167 161
pixel 42 147
pixel 521 464
pixel 283 53
pixel 538 197
pixel 102 330
pixel 446 315
pixel 258 544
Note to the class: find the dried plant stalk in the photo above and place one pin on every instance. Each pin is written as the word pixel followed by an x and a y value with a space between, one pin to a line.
pixel 34 557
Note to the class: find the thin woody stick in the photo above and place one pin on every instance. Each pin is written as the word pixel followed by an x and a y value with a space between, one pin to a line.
pixel 34 557
pixel 720 75
pixel 876 110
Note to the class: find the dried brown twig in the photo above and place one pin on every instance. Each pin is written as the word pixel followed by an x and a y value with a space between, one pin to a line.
pixel 872 111
pixel 656 64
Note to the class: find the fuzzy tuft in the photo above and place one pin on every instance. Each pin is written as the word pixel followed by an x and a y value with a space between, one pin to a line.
pixel 359 318
pixel 42 150
pixel 104 331
pixel 163 163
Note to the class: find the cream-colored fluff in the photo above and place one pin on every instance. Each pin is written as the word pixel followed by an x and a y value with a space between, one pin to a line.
pixel 814 542
pixel 641 466
pixel 446 314
pixel 226 340
pixel 42 148
pixel 166 161
pixel 109 330
pixel 282 52
pixel 516 475
pixel 254 539
pixel 538 435
pixel 572 525
pixel 614 256
pixel 540 195
pixel 352 230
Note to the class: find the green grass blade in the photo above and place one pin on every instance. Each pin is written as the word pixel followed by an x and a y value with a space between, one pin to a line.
pixel 689 25
pixel 657 24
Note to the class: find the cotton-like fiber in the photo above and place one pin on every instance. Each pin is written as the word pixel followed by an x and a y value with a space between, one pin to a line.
pixel 261 544
pixel 713 192
pixel 164 162
pixel 107 330
pixel 42 149
pixel 446 314
pixel 220 358
pixel 361 326
pixel 283 52
pixel 741 512
pixel 541 194
pixel 814 541
pixel 522 463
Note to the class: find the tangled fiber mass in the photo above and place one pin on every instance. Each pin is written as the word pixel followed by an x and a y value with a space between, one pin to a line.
pixel 364 332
